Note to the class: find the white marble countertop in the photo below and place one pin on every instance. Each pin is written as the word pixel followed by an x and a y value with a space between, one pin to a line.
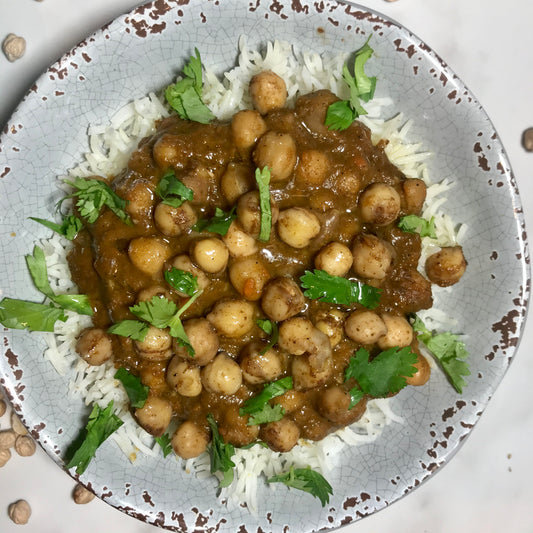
pixel 487 487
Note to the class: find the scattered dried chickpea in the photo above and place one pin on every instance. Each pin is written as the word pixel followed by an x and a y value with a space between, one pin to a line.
pixel 527 139
pixel 3 408
pixel 5 456
pixel 20 512
pixel 16 425
pixel 14 47
pixel 81 495
pixel 25 445
pixel 7 438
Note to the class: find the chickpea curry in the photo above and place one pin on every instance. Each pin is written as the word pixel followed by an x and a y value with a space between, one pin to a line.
pixel 335 201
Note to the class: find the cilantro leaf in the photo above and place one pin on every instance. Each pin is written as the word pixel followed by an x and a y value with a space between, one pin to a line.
pixel 21 314
pixel 157 311
pixel 136 391
pixel 416 224
pixel 135 329
pixel 340 115
pixel 270 328
pixel 262 177
pixel 383 375
pixel 166 444
pixel 449 351
pixel 182 281
pixel 69 227
pixel 307 480
pixel 256 404
pixel 268 413
pixel 221 453
pixel 92 195
pixel 185 96
pixel 219 223
pixel 172 191
pixel 102 423
pixel 337 290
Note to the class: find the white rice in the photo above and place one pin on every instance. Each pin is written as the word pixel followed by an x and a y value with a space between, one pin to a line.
pixel 111 145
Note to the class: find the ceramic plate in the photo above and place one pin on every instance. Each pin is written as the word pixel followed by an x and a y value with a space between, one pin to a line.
pixel 141 52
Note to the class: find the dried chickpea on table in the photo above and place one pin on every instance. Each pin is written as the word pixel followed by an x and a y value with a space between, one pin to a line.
pixel 296 200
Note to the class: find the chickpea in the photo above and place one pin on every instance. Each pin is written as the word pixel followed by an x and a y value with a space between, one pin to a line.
pixel 148 254
pixel 3 408
pixel 16 425
pixel 155 415
pixel 372 257
pixel 246 127
pixel 281 436
pixel 234 428
pixel 335 258
pixel 156 345
pixel 305 377
pixel 25 445
pixel 334 405
pixel 291 401
pixel 184 377
pixel 331 326
pixel 7 439
pixel 198 180
pixel 277 151
pixel 183 262
pixel 348 183
pixel 222 375
pixel 312 108
pixel 210 254
pixel 268 91
pixel 94 346
pixel 379 204
pixel 447 266
pixel 81 495
pixel 173 221
pixel 399 332
pixel 238 242
pixel 203 339
pixel 297 226
pixel 249 276
pixel 189 440
pixel 140 198
pixel 152 375
pixel 19 512
pixel 232 318
pixel 313 168
pixel 422 374
pixel 257 367
pixel 170 151
pixel 145 295
pixel 414 193
pixel 237 180
pixel 249 213
pixel 282 299
pixel 365 327
pixel 5 456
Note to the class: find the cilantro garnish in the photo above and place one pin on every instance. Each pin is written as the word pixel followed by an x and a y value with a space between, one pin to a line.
pixel 262 177
pixel 340 115
pixel 219 223
pixel 92 195
pixel 166 444
pixel 185 96
pixel 337 290
pixel 416 224
pixel 69 227
pixel 259 409
pixel 136 391
pixel 221 453
pixel 307 480
pixel 449 351
pixel 102 423
pixel 383 375
pixel 134 329
pixel 270 328
pixel 172 191
pixel 182 281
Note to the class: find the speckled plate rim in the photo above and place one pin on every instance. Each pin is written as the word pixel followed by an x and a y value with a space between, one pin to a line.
pixel 151 20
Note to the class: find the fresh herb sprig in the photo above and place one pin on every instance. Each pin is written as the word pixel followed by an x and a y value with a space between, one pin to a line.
pixel 262 177
pixel 258 408
pixel 383 375
pixel 91 195
pixel 307 480
pixel 340 115
pixel 270 328
pixel 172 191
pixel 185 96
pixel 449 351
pixel 136 391
pixel 221 453
pixel 219 223
pixel 338 290
pixel 165 443
pixel 416 224
pixel 102 423
pixel 69 227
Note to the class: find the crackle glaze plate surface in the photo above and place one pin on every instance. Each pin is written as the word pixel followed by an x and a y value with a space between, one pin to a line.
pixel 142 51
